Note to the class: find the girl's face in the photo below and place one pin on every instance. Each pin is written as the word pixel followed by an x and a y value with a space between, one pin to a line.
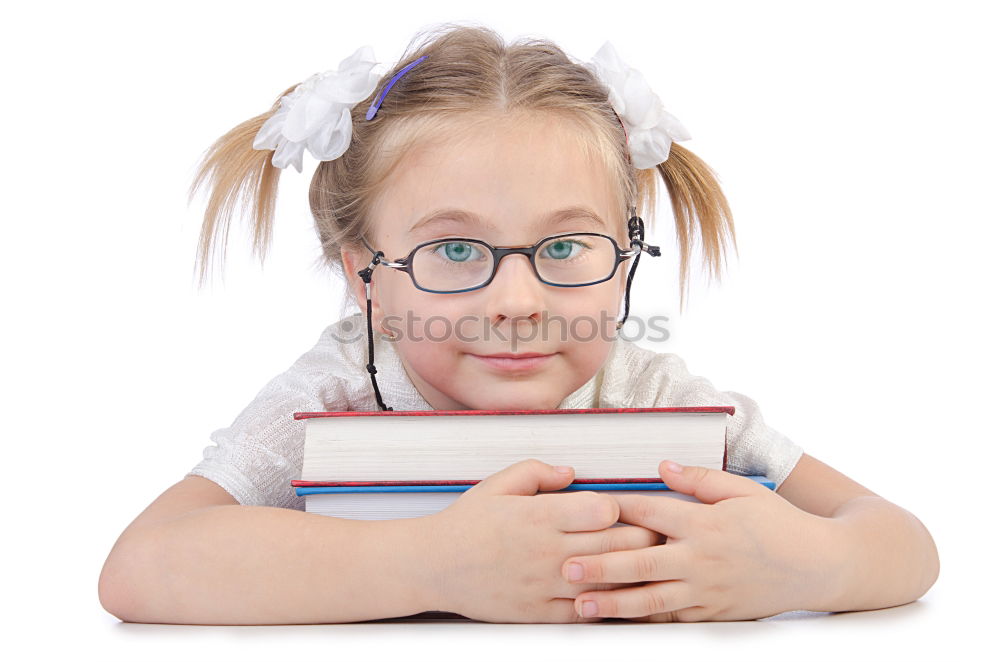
pixel 513 179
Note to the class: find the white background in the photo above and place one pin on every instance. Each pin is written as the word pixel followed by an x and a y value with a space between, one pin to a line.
pixel 857 143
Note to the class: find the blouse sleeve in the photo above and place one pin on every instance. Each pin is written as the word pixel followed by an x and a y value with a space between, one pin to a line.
pixel 256 458
pixel 753 448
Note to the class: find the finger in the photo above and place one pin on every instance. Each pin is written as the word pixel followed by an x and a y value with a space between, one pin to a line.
pixel 526 478
pixel 666 600
pixel 662 514
pixel 689 615
pixel 657 563
pixel 613 539
pixel 563 610
pixel 581 511
pixel 708 485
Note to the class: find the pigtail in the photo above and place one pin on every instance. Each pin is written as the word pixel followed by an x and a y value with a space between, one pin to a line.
pixel 237 175
pixel 699 207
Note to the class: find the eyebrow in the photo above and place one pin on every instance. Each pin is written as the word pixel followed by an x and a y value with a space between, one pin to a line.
pixel 453 215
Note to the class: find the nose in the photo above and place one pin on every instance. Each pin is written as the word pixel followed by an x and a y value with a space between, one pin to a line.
pixel 515 291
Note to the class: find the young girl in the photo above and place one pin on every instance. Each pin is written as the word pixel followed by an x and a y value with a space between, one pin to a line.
pixel 480 199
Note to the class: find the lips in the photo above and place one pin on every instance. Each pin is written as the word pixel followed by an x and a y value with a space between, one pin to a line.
pixel 508 355
pixel 509 362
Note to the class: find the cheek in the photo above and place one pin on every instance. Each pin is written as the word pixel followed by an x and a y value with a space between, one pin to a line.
pixel 588 309
pixel 587 363
pixel 424 318
pixel 430 359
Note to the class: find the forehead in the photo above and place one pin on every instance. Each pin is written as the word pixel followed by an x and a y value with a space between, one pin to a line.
pixel 506 177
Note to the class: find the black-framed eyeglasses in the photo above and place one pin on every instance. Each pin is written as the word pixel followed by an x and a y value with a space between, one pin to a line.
pixel 461 264
pixel 458 264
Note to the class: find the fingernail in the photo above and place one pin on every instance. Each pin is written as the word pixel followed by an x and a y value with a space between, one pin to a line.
pixel 575 572
pixel 589 608
pixel 673 466
pixel 564 470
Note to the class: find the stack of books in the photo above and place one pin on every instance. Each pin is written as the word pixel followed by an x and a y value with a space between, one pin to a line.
pixel 398 464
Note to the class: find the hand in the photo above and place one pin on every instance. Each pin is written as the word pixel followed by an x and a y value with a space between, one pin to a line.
pixel 497 550
pixel 743 553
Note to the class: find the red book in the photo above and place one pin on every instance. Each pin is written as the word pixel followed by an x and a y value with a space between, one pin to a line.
pixel 461 447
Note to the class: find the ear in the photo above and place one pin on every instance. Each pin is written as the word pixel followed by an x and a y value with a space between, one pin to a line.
pixel 355 259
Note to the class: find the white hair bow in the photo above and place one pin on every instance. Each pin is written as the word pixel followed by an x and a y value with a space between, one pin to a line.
pixel 317 114
pixel 650 128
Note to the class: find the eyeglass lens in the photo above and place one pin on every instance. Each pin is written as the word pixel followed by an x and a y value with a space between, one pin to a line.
pixel 450 265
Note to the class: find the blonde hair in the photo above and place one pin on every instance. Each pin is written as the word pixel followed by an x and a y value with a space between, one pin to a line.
pixel 470 76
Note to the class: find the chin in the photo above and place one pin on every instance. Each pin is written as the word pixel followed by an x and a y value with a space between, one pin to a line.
pixel 516 396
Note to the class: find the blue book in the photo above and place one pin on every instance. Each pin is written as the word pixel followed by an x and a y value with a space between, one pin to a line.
pixel 380 502
pixel 572 487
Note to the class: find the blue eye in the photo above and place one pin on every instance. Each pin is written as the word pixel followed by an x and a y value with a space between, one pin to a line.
pixel 455 251
pixel 563 249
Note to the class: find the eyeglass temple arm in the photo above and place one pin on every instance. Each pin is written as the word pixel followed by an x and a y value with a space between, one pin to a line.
pixel 643 248
pixel 636 233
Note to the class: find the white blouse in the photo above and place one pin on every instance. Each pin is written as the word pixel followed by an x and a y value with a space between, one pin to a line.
pixel 256 458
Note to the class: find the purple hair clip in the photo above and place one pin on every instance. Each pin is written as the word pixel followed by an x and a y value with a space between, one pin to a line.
pixel 385 90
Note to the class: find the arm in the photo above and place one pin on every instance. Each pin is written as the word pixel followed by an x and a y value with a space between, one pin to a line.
pixel 885 555
pixel 195 556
